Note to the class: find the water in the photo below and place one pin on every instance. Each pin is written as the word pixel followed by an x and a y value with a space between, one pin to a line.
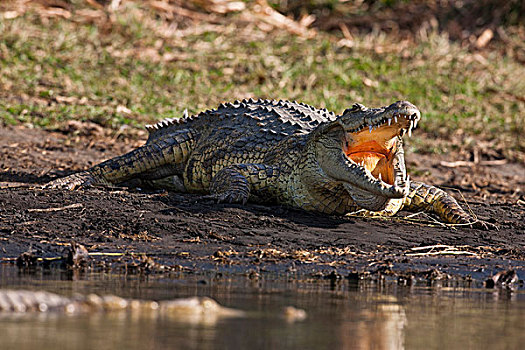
pixel 340 316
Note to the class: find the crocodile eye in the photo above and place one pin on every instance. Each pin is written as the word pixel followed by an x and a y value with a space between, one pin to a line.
pixel 356 107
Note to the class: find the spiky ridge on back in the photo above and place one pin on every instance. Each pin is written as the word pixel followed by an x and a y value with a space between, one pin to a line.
pixel 278 117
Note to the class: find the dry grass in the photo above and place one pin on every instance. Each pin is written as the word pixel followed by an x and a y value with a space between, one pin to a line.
pixel 138 62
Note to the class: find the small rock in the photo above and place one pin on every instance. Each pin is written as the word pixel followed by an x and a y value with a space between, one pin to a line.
pixel 77 256
pixel 26 259
pixel 292 314
pixel 502 279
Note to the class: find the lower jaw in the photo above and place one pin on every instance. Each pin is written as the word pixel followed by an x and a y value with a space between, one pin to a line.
pixel 376 163
pixel 373 202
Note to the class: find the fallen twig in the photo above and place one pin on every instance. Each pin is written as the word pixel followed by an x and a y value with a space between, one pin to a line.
pixel 106 254
pixel 440 249
pixel 4 185
pixel 443 252
pixel 266 13
pixel 432 247
pixel 461 163
pixel 414 214
pixel 8 259
pixel 437 222
pixel 45 210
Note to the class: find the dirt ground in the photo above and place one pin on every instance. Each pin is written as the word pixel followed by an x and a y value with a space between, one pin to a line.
pixel 184 232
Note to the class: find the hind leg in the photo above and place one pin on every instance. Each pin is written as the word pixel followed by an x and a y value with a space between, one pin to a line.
pixel 161 158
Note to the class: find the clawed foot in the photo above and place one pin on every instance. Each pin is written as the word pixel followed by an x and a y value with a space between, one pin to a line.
pixel 72 182
pixel 229 197
pixel 232 197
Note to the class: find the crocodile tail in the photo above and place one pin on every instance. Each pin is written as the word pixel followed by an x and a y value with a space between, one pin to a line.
pixel 157 159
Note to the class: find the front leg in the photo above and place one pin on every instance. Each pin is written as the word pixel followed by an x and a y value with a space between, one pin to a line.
pixel 434 200
pixel 235 183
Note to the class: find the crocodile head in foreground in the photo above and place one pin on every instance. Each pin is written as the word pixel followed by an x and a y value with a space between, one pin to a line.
pixel 284 152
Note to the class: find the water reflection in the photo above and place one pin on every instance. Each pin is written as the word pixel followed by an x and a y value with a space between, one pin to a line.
pixel 366 316
pixel 383 328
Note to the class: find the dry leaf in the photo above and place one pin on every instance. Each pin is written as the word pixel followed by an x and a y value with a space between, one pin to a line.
pixel 123 109
pixel 484 38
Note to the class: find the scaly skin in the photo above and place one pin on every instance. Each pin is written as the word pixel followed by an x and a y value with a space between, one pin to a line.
pixel 284 152
pixel 192 309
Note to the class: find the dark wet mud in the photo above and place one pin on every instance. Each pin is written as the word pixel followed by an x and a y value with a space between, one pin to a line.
pixel 185 232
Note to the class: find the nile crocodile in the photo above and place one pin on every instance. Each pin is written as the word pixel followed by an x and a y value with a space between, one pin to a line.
pixel 193 309
pixel 284 152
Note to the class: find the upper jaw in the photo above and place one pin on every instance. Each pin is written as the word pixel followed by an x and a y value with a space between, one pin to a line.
pixel 357 125
pixel 372 138
pixel 403 115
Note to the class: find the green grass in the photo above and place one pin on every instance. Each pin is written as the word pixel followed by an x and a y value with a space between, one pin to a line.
pixel 61 70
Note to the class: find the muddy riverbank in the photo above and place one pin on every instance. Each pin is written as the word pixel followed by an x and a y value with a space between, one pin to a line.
pixel 182 231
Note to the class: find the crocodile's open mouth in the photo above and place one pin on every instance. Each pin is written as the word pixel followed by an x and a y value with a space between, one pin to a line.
pixel 374 146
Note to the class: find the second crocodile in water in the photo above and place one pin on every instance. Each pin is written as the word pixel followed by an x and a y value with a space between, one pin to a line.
pixel 284 152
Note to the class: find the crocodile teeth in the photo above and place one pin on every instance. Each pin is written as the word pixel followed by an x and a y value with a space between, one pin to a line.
pixel 185 113
pixel 370 128
pixel 389 121
pixel 415 123
pixel 380 179
pixel 395 118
